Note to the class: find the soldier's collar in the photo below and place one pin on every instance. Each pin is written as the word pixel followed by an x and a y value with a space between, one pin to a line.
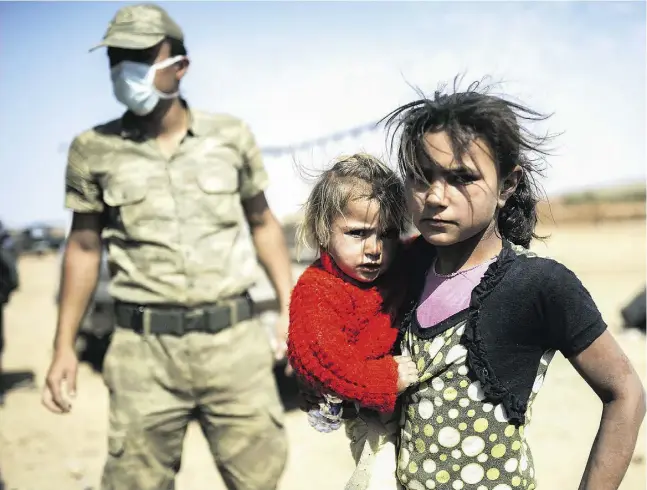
pixel 131 129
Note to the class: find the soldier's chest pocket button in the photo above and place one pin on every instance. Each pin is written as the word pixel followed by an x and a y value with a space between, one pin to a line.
pixel 219 194
pixel 127 204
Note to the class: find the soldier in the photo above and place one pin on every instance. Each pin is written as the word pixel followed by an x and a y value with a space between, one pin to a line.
pixel 168 187
pixel 8 284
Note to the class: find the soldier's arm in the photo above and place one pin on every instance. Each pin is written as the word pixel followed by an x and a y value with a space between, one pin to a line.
pixel 80 272
pixel 82 257
pixel 270 245
pixel 267 232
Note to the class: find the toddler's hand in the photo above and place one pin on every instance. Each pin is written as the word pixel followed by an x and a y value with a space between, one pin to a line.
pixel 407 372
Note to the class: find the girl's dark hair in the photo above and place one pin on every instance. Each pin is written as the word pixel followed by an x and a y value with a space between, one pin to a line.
pixel 468 115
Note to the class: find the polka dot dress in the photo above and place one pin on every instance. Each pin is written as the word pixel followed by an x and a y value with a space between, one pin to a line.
pixel 450 437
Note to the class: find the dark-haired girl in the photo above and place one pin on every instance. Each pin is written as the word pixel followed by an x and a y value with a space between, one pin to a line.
pixel 486 315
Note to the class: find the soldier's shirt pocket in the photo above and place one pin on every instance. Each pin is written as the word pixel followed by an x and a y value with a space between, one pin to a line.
pixel 219 187
pixel 126 201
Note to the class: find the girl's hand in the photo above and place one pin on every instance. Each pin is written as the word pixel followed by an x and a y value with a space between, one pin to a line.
pixel 407 372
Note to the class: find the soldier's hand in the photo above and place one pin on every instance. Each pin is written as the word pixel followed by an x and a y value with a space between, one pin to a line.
pixel 289 370
pixel 60 384
pixel 281 336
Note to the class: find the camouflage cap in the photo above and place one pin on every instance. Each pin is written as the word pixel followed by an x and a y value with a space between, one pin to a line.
pixel 140 26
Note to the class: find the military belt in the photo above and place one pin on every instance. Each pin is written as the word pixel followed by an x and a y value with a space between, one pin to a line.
pixel 174 320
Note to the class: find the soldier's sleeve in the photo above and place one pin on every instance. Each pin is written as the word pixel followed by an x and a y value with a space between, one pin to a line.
pixel 254 178
pixel 82 192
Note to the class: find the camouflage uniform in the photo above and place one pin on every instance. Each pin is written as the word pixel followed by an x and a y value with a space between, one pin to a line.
pixel 176 242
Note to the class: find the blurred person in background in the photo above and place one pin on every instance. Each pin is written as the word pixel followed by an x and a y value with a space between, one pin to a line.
pixel 8 284
pixel 169 188
pixel 634 313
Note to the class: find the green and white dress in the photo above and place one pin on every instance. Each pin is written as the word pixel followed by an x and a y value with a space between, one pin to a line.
pixel 464 427
pixel 449 437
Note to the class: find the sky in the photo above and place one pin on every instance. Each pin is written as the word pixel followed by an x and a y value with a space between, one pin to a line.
pixel 299 71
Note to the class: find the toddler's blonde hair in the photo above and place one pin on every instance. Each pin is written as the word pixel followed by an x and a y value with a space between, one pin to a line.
pixel 354 177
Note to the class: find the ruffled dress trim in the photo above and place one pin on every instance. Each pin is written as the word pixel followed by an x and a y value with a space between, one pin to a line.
pixel 477 355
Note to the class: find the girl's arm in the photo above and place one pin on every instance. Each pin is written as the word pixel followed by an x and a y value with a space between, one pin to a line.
pixel 609 373
pixel 321 350
pixel 577 329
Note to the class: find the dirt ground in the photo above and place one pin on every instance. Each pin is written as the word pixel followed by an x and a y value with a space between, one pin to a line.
pixel 43 451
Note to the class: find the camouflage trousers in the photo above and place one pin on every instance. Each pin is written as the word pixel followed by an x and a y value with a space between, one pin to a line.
pixel 159 383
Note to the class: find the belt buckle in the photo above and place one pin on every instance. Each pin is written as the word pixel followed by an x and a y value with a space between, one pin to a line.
pixel 218 318
pixel 193 320
pixel 137 318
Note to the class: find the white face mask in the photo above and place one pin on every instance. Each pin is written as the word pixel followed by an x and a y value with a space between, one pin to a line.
pixel 134 85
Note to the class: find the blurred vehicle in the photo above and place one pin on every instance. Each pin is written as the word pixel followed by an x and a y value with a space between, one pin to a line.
pixel 39 239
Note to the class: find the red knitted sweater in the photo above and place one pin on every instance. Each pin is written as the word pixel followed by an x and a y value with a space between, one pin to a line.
pixel 340 340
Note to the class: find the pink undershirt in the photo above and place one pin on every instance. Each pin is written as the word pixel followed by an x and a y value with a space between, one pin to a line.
pixel 444 296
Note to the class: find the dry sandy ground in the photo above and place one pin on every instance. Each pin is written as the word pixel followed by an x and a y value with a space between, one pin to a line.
pixel 42 451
